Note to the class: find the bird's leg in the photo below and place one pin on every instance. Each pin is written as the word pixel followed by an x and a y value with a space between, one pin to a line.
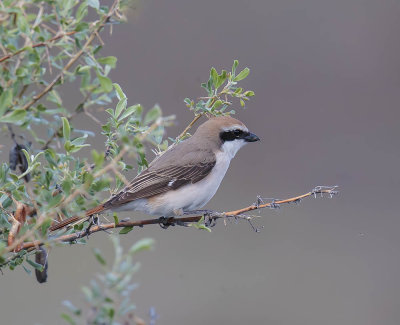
pixel 209 221
pixel 165 222
pixel 172 221
pixel 93 220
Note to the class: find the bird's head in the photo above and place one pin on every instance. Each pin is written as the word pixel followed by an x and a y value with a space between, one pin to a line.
pixel 227 133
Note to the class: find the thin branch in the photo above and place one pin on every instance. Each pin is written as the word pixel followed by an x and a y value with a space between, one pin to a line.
pixel 211 216
pixel 44 43
pixel 196 118
pixel 92 36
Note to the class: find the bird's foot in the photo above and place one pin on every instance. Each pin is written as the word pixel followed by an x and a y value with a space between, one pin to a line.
pixel 93 220
pixel 209 220
pixel 165 222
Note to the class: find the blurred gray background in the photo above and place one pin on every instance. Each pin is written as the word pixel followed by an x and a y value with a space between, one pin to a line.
pixel 327 80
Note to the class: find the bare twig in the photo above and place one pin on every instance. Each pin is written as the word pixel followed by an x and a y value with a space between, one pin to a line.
pixel 319 190
pixel 196 118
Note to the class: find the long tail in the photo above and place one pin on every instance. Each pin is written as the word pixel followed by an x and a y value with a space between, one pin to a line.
pixel 100 208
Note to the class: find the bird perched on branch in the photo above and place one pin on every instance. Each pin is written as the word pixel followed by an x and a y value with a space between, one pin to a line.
pixel 185 177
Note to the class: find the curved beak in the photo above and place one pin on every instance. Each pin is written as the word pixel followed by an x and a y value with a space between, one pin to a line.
pixel 251 137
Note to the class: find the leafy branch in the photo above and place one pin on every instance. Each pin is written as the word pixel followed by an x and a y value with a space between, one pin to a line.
pixel 108 296
pixel 71 62
pixel 216 102
pixel 45 43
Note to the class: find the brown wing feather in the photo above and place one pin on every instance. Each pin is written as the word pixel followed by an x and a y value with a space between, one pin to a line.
pixel 150 183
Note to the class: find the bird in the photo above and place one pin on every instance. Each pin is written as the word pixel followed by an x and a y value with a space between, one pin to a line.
pixel 185 177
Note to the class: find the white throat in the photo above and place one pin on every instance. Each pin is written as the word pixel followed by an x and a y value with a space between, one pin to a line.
pixel 230 148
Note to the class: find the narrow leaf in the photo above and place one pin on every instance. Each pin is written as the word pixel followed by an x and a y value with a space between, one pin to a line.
pixel 105 83
pixel 5 101
pixel 108 60
pixel 214 76
pixel 120 107
pixel 125 230
pixel 66 129
pixel 120 93
pixel 142 245
pixel 234 66
pixel 37 266
pixel 99 256
pixel 243 74
pixel 13 117
pixel 129 111
pixel 152 114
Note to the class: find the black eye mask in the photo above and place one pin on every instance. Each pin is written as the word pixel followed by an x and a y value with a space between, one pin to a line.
pixel 232 135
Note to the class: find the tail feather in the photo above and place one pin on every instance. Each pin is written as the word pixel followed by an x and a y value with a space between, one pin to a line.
pixel 66 222
pixel 98 209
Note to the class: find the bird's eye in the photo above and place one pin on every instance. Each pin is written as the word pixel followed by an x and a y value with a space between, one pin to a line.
pixel 237 132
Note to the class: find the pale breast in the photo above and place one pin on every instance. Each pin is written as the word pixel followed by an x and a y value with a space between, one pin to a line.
pixel 192 196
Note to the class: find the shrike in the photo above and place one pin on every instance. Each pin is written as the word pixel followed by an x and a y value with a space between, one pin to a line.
pixel 185 177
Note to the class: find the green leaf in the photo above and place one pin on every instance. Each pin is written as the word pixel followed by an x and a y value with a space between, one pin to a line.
pixel 129 111
pixel 98 158
pixel 45 226
pixel 221 79
pixel 79 141
pixel 125 230
pixel 120 107
pixel 243 74
pixel 5 101
pixel 27 270
pixel 81 12
pixel 188 102
pixel 249 93
pixel 54 201
pixel 214 76
pixel 234 66
pixel 99 256
pixel 105 83
pixel 37 266
pixel 82 26
pixel 108 60
pixel 14 116
pixel 142 245
pixel 66 129
pixel 120 93
pixel 203 227
pixel 217 104
pixel 152 114
pixel 68 318
pixel 116 221
pixel 200 225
